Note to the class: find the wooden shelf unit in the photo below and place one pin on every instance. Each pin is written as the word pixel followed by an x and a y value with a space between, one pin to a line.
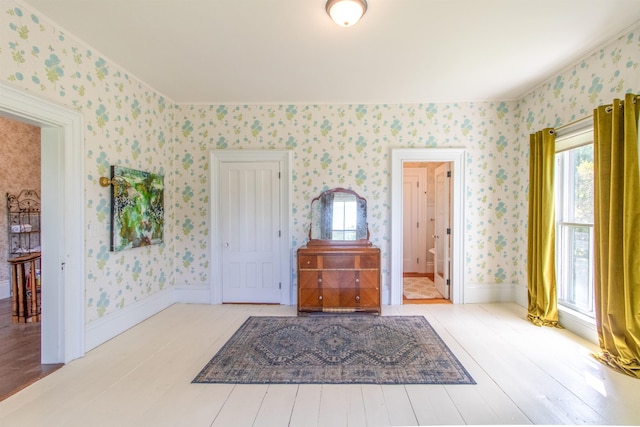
pixel 23 219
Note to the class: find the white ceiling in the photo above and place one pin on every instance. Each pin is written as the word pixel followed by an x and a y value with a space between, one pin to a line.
pixel 289 51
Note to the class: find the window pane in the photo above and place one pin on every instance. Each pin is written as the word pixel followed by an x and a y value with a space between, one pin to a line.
pixel 576 278
pixel 338 216
pixel 344 220
pixel 350 215
pixel 574 233
pixel 581 166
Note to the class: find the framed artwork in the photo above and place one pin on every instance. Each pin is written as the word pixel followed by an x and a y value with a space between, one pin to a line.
pixel 137 208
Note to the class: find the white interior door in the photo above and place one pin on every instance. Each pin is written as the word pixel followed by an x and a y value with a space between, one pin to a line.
pixel 442 230
pixel 414 221
pixel 250 227
pixel 410 257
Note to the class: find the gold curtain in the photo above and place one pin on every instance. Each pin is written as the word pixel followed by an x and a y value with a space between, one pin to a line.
pixel 541 269
pixel 617 234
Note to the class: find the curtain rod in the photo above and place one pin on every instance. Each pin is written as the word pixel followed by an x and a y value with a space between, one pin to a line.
pixel 574 123
pixel 579 122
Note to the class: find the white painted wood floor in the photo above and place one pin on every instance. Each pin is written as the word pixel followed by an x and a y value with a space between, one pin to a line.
pixel 525 375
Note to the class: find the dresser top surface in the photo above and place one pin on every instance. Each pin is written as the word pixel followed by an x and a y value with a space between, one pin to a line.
pixel 338 249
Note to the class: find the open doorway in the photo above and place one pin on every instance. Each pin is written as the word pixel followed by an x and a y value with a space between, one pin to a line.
pixel 455 157
pixel 62 238
pixel 20 252
pixel 426 241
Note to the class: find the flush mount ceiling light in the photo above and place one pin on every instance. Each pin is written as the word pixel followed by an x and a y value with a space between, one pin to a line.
pixel 346 12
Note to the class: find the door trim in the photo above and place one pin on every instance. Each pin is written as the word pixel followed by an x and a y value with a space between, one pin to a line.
pixel 457 157
pixel 217 157
pixel 63 302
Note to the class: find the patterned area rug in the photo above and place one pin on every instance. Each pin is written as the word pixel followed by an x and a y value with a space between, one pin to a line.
pixel 335 349
pixel 419 288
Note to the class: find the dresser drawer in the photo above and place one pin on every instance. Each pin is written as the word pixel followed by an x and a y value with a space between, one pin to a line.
pixel 359 298
pixel 309 279
pixel 369 261
pixel 339 279
pixel 310 299
pixel 369 279
pixel 369 298
pixel 338 261
pixel 307 261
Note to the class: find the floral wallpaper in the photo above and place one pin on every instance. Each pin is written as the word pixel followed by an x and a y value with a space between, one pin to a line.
pixel 350 146
pixel 126 124
pixel 19 170
pixel 130 124
pixel 608 73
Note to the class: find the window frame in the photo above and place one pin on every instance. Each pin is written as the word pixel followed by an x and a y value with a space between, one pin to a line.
pixel 570 137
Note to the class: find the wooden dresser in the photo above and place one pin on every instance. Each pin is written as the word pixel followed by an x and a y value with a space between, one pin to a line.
pixel 338 279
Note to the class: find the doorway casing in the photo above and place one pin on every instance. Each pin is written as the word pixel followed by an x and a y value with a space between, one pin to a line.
pixel 457 158
pixel 62 188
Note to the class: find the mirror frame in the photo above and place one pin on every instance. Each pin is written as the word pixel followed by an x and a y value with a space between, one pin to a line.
pixel 327 242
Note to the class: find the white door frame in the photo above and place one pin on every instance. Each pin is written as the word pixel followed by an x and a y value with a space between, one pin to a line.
pixel 63 303
pixel 284 158
pixel 457 157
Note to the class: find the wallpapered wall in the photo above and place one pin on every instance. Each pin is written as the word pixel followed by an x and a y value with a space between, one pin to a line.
pixel 349 146
pixel 19 170
pixel 126 123
pixel 130 124
pixel 608 73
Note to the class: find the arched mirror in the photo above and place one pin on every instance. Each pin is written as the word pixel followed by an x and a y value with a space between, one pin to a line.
pixel 339 216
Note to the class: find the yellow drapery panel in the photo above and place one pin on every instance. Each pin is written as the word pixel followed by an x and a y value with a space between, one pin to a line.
pixel 541 269
pixel 617 234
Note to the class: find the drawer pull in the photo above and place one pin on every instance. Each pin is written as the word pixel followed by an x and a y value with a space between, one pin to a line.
pixel 319 280
pixel 357 280
pixel 357 298
pixel 320 297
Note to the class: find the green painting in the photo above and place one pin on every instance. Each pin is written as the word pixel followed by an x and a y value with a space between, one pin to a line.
pixel 137 208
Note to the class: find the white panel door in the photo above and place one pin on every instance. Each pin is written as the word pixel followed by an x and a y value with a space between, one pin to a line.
pixel 442 230
pixel 414 221
pixel 250 215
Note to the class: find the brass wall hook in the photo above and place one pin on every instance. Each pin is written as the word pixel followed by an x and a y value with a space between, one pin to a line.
pixel 119 182
pixel 105 182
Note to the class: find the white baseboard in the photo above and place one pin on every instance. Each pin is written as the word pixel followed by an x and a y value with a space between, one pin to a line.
pixel 104 329
pixel 5 289
pixel 474 293
pixel 111 325
pixel 570 320
pixel 521 295
pixel 193 294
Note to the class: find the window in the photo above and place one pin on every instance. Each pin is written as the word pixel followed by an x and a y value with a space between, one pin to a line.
pixel 574 226
pixel 344 225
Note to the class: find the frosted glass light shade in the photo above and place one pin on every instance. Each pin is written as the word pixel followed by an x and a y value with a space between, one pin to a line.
pixel 346 12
